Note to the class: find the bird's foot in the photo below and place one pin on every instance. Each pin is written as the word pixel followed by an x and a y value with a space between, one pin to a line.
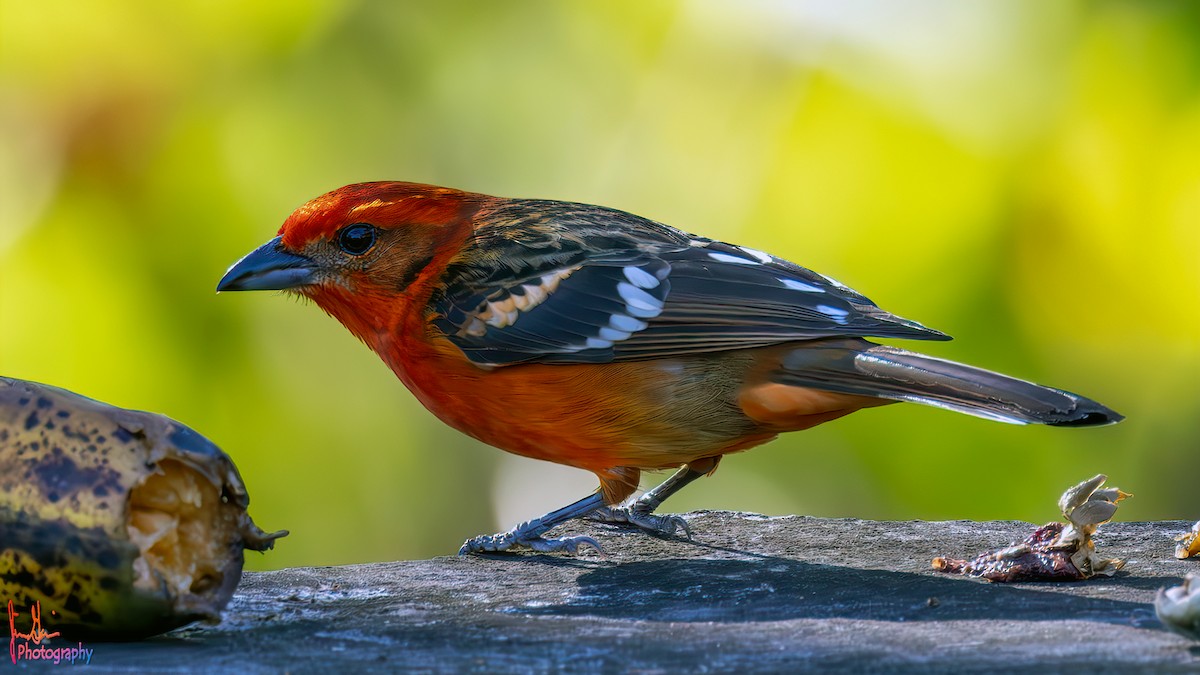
pixel 529 533
pixel 503 541
pixel 640 517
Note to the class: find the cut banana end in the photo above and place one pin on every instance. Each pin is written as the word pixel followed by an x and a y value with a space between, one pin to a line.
pixel 185 544
pixel 121 524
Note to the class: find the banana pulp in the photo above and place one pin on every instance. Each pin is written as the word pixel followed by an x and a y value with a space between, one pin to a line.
pixel 121 524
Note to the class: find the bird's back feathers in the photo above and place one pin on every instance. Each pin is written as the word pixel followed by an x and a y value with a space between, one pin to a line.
pixel 557 282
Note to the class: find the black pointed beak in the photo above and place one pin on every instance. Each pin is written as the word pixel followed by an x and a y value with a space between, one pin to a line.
pixel 268 268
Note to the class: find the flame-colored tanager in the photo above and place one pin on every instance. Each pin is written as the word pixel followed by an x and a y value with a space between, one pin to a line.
pixel 598 339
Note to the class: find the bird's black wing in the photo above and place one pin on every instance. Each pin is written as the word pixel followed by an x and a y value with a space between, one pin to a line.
pixel 554 282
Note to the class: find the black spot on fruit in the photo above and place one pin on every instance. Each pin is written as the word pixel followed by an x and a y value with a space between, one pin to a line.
pixel 43 402
pixel 73 544
pixel 74 435
pixel 31 421
pixel 108 559
pixel 22 578
pixel 122 435
pixel 45 587
pixel 58 475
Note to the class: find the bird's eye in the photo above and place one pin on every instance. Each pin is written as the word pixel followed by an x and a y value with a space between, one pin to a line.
pixel 356 239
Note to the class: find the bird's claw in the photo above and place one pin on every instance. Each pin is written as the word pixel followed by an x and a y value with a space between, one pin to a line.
pixel 665 525
pixel 493 543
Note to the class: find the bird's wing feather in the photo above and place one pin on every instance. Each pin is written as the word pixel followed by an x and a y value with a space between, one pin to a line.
pixel 594 285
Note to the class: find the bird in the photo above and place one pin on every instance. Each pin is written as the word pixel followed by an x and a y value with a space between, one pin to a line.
pixel 594 338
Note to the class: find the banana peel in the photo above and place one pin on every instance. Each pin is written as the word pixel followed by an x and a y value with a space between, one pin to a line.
pixel 121 524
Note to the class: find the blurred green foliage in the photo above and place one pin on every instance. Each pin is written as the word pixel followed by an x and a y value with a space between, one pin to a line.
pixel 1022 175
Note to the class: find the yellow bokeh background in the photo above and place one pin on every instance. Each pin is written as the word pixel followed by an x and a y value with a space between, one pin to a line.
pixel 1021 175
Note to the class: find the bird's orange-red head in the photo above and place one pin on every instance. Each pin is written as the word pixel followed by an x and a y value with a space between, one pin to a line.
pixel 366 237
pixel 389 205
pixel 359 249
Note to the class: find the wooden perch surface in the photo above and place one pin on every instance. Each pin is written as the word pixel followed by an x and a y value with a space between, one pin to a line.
pixel 749 594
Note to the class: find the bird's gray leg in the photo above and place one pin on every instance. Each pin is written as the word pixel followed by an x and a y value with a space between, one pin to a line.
pixel 529 534
pixel 640 512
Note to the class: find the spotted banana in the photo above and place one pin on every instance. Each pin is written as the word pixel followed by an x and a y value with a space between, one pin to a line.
pixel 121 524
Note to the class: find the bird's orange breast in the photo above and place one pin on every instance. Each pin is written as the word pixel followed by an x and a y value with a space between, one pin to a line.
pixel 643 414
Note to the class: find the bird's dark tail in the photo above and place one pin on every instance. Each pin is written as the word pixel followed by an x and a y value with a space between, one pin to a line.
pixel 860 367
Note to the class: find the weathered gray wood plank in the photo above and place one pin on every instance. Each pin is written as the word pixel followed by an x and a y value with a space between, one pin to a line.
pixel 749 594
